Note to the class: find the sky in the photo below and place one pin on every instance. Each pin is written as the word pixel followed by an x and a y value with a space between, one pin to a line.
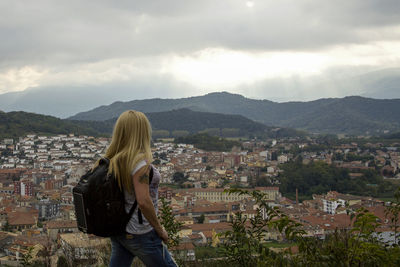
pixel 277 50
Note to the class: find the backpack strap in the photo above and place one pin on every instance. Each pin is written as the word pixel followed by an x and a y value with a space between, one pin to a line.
pixel 132 210
pixel 140 217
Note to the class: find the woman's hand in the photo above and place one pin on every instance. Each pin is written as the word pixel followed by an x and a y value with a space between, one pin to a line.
pixel 163 235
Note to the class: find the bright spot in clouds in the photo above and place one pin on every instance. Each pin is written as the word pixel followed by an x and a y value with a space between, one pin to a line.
pixel 20 79
pixel 249 3
pixel 218 68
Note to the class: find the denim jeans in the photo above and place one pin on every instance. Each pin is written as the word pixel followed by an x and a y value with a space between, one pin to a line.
pixel 148 247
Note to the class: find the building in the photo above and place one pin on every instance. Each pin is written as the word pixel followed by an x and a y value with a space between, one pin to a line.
pixel 184 251
pixel 53 184
pixel 282 159
pixel 54 228
pixel 333 200
pixel 165 192
pixel 20 220
pixel 330 205
pixel 218 194
pixel 48 209
pixel 23 188
pixel 82 249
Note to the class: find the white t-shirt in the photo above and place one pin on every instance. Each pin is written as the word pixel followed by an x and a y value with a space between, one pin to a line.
pixel 133 226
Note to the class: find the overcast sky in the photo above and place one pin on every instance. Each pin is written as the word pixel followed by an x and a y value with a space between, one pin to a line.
pixel 278 50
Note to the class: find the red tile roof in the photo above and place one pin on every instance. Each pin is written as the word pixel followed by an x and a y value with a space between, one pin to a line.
pixel 21 218
pixel 61 224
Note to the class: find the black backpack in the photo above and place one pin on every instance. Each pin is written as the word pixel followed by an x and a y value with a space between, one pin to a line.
pixel 100 204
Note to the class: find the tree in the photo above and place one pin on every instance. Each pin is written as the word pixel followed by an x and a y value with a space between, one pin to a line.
pixel 6 227
pixel 27 257
pixel 355 247
pixel 179 133
pixel 393 212
pixel 359 246
pixel 201 218
pixel 62 261
pixel 244 244
pixel 156 162
pixel 167 220
pixel 163 156
pixel 179 177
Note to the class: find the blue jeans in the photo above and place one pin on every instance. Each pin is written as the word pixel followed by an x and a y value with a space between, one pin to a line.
pixel 148 247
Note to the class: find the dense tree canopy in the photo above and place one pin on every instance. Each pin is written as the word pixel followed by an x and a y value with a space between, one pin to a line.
pixel 207 142
pixel 319 177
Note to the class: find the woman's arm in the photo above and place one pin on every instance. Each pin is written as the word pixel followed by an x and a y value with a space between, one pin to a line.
pixel 141 185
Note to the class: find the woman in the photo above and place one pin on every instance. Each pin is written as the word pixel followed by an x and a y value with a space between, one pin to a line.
pixel 130 157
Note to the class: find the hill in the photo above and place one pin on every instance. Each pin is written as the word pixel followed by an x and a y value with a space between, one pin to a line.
pixel 19 123
pixel 350 115
pixel 170 124
pixel 193 121
pixel 65 101
pixel 185 121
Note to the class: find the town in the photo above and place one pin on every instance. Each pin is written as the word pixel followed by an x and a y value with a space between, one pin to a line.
pixel 37 174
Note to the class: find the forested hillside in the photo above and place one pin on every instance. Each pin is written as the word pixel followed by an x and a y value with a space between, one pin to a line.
pixel 319 178
pixel 16 124
pixel 165 124
pixel 350 115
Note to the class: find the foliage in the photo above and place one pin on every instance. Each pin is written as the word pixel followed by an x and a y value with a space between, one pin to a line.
pixel 358 246
pixel 263 181
pixel 16 124
pixel 201 218
pixel 230 132
pixel 6 227
pixel 169 223
pixel 156 162
pixel 161 134
pixel 355 247
pixel 179 178
pixel 207 252
pixel 244 244
pixel 179 133
pixel 27 257
pixel 354 157
pixel 352 115
pixel 207 142
pixel 319 177
pixel 393 136
pixel 171 119
pixel 62 261
pixel 393 213
pixel 175 123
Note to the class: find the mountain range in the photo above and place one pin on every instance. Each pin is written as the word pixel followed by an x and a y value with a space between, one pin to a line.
pixel 349 115
pixel 65 101
pixel 165 124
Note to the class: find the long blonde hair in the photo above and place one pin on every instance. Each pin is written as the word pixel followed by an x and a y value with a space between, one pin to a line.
pixel 130 144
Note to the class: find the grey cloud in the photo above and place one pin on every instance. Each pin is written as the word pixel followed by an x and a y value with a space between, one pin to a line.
pixel 65 32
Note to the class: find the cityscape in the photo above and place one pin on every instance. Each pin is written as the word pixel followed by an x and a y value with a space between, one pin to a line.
pixel 272 128
pixel 38 173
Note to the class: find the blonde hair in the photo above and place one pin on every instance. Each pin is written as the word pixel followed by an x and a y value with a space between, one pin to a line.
pixel 130 144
